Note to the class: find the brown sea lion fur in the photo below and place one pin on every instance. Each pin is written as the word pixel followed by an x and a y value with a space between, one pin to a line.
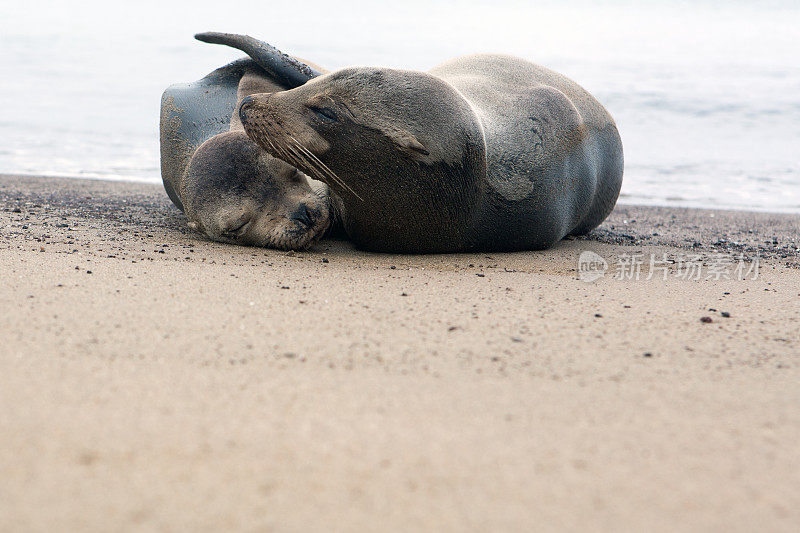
pixel 235 192
pixel 484 152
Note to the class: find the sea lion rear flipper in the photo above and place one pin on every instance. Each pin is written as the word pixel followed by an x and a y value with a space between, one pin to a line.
pixel 284 68
pixel 192 113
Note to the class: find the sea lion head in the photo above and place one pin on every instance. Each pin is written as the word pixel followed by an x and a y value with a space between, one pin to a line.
pixel 235 192
pixel 402 149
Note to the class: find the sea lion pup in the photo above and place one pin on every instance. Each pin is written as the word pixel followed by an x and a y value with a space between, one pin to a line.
pixel 484 152
pixel 230 189
pixel 235 192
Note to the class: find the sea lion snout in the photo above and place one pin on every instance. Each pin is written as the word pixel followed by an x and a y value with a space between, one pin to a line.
pixel 246 104
pixel 279 124
pixel 249 103
pixel 304 215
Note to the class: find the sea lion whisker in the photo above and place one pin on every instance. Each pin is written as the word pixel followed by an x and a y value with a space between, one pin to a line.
pixel 263 136
pixel 299 159
pixel 303 155
pixel 285 154
pixel 325 168
pixel 269 142
pixel 318 172
pixel 324 172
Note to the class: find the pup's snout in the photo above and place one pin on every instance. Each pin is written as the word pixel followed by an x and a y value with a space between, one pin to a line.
pixel 304 216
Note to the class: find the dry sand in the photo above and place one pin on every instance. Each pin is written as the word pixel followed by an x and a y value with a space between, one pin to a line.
pixel 152 380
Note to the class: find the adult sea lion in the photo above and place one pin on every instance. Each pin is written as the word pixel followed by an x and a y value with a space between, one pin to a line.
pixel 484 152
pixel 229 188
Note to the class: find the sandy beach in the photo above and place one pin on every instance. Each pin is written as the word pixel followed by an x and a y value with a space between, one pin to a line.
pixel 154 380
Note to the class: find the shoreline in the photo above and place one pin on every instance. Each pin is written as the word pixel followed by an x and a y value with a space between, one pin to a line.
pixel 622 201
pixel 769 235
pixel 157 380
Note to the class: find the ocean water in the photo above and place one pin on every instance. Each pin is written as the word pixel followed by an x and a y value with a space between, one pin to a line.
pixel 706 94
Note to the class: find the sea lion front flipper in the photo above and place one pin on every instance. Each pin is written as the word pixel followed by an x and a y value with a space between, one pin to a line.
pixel 286 69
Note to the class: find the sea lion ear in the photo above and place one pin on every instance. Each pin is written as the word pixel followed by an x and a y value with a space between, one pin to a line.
pixel 407 143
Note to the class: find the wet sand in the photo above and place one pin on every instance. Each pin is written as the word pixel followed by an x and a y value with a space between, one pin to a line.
pixel 153 380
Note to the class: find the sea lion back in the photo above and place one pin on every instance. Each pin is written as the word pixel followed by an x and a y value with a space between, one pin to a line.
pixel 553 152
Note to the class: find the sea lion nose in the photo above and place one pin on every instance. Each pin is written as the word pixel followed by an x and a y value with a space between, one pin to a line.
pixel 303 215
pixel 247 101
pixel 244 105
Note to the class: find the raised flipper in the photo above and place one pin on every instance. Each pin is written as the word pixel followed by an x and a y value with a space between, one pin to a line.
pixel 285 69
